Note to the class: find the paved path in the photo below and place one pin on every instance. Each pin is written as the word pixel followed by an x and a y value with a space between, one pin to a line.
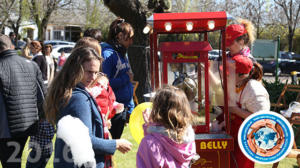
pixel 282 78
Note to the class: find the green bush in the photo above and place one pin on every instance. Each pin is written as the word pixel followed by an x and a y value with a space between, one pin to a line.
pixel 275 88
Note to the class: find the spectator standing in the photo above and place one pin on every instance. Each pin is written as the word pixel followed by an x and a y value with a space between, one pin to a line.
pixel 68 96
pixel 41 143
pixel 50 61
pixel 61 60
pixel 20 91
pixel 12 37
pixel 26 50
pixel 42 56
pixel 169 137
pixel 36 50
pixel 101 92
pixel 117 68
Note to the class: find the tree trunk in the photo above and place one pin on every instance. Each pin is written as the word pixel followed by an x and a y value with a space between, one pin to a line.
pixel 16 26
pixel 290 39
pixel 40 32
pixel 135 14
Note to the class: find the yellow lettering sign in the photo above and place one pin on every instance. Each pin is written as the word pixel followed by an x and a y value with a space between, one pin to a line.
pixel 202 145
pixel 209 145
pixel 224 144
pixel 213 145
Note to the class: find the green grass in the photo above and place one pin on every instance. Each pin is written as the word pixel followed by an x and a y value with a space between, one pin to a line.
pixel 128 160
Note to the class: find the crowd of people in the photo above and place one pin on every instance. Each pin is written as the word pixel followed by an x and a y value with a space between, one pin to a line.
pixel 94 84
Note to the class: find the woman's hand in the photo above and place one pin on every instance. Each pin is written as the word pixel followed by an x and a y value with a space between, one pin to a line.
pixel 123 145
pixel 119 107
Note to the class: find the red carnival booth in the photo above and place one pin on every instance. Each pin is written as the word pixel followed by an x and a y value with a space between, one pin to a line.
pixel 169 60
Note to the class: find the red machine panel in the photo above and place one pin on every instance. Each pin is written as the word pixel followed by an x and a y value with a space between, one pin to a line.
pixel 170 61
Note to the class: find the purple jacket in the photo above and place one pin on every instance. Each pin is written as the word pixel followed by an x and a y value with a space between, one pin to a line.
pixel 159 150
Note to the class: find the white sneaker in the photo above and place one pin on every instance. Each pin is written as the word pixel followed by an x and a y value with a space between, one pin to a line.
pixel 294 107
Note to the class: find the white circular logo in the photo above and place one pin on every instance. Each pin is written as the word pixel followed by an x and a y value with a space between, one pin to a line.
pixel 265 137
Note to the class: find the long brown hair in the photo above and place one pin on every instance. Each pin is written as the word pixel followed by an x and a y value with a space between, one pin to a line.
pixel 256 72
pixel 71 74
pixel 171 109
pixel 117 26
pixel 89 42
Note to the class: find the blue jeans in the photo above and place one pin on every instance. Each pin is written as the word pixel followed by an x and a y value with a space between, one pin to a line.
pixel 36 160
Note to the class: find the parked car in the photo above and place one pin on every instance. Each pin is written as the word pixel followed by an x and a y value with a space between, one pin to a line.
pixel 58 49
pixel 58 42
pixel 214 54
pixel 286 64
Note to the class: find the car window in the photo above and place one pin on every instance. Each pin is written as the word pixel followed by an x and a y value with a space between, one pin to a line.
pixel 60 50
pixel 63 43
pixel 285 56
pixel 68 49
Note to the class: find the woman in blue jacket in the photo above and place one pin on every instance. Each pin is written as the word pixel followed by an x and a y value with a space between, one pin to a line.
pixel 68 95
pixel 118 70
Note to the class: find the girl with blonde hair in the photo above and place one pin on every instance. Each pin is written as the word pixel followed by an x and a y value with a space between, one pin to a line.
pixel 169 137
pixel 239 37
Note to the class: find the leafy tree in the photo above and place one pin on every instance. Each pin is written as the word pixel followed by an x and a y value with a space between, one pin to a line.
pixel 255 11
pixel 291 10
pixel 135 13
pixel 6 10
pixel 296 42
pixel 41 11
pixel 271 31
pixel 97 15
pixel 92 13
pixel 14 23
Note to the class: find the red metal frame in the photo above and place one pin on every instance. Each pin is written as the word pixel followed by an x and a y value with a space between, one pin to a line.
pixel 200 25
pixel 178 21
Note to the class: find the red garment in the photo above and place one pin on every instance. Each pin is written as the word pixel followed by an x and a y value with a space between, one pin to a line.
pixel 62 60
pixel 241 159
pixel 105 101
pixel 107 158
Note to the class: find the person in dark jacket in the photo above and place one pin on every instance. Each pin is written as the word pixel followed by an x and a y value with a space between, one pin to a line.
pixel 68 95
pixel 21 85
pixel 117 68
pixel 42 56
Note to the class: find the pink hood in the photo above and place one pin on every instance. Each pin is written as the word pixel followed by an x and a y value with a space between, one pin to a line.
pixel 157 149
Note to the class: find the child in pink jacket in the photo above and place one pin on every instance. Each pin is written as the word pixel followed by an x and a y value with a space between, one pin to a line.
pixel 169 137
